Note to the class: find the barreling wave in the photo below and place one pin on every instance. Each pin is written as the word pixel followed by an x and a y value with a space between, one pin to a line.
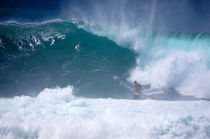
pixel 171 62
pixel 36 56
pixel 40 55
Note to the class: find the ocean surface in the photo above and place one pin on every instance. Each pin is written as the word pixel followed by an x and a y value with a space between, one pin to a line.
pixel 73 78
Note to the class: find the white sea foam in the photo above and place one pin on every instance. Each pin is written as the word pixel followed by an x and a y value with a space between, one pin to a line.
pixel 168 61
pixel 56 113
pixel 133 26
pixel 51 36
pixel 187 72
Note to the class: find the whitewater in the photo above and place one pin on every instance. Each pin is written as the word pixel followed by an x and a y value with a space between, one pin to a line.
pixel 72 76
pixel 174 104
pixel 57 113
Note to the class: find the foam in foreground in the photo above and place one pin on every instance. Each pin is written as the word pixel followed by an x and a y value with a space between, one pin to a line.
pixel 56 113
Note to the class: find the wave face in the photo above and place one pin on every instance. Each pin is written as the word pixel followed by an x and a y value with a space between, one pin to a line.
pixel 36 56
pixel 168 58
pixel 172 63
pixel 59 73
pixel 116 47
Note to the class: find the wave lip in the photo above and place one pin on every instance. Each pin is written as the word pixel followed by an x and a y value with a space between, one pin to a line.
pixel 165 60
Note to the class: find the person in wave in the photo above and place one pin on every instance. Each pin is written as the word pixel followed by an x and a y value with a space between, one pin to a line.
pixel 137 88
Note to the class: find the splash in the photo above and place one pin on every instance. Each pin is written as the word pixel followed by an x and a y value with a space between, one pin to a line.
pixel 57 113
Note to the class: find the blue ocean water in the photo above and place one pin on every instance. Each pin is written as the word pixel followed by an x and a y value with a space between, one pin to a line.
pixel 35 56
pixel 44 55
pixel 71 75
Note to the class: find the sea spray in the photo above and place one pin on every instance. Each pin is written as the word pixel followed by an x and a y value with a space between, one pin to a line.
pixel 166 60
pixel 57 113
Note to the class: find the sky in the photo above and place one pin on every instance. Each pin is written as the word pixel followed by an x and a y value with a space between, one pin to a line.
pixel 169 15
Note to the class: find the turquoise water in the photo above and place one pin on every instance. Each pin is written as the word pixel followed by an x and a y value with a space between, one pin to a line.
pixel 43 55
pixel 67 69
pixel 37 56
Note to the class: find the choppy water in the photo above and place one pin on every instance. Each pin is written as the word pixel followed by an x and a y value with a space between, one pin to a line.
pixel 74 78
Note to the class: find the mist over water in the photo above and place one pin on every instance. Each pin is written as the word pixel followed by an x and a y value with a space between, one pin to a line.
pixel 131 34
pixel 67 69
pixel 168 58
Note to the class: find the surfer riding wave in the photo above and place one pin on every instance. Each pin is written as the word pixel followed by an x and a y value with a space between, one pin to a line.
pixel 137 88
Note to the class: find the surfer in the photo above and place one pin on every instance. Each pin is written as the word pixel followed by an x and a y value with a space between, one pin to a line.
pixel 137 88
